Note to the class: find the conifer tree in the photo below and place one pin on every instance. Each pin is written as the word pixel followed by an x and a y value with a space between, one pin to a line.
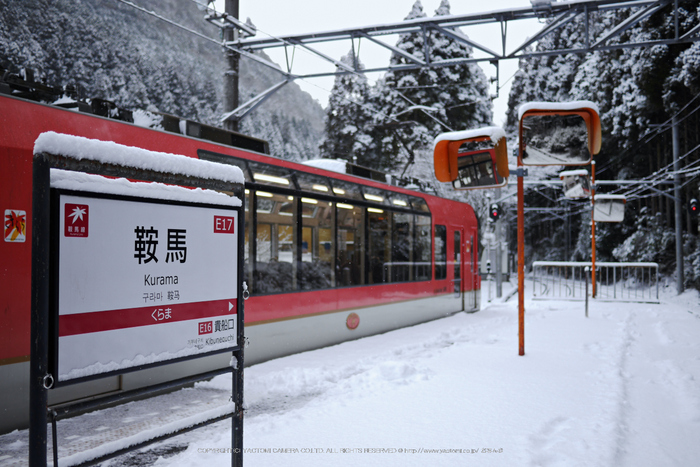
pixel 349 117
pixel 419 104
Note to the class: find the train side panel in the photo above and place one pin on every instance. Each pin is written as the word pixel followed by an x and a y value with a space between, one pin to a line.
pixel 276 324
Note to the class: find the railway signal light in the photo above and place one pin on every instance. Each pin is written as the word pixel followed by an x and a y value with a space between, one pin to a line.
pixel 495 212
pixel 693 207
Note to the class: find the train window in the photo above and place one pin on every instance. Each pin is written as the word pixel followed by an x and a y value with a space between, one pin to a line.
pixel 350 260
pixel 379 245
pixel 346 190
pixel 401 247
pixel 313 183
pixel 275 256
pixel 225 159
pixel 272 175
pixel 316 267
pixel 419 204
pixel 375 195
pixel 422 249
pixel 440 252
pixel 399 200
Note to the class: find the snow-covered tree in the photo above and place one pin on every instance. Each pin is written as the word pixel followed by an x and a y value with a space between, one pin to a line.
pixel 349 117
pixel 112 51
pixel 634 89
pixel 418 104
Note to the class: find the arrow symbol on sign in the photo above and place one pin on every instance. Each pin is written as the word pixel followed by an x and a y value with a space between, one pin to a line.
pixel 230 306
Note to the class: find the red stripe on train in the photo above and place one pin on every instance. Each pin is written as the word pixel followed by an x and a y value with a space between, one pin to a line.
pixel 84 323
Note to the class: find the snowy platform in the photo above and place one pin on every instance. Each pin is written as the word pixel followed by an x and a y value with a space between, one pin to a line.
pixel 94 434
pixel 619 388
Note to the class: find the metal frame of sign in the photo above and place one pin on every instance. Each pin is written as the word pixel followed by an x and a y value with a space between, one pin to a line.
pixel 45 298
pixel 55 317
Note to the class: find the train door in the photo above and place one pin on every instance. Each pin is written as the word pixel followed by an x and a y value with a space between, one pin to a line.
pixel 458 266
pixel 470 271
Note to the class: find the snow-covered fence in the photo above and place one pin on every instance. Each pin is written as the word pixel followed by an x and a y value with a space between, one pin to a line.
pixel 635 282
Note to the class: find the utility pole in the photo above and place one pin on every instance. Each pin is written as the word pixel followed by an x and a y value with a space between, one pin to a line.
pixel 231 75
pixel 499 252
pixel 677 200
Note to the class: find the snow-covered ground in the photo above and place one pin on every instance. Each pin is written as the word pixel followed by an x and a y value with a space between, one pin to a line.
pixel 619 388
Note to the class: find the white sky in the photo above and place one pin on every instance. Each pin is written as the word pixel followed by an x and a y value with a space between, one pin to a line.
pixel 280 17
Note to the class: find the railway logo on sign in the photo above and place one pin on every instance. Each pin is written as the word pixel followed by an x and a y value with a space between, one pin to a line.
pixel 76 220
pixel 15 225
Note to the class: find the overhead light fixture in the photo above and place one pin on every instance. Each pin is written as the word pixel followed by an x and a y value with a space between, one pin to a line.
pixel 399 202
pixel 345 206
pixel 271 179
pixel 378 211
pixel 264 194
pixel 320 188
pixel 376 198
pixel 309 201
pixel 338 191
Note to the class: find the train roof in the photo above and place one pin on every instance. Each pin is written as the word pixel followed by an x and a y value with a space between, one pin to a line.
pixel 24 85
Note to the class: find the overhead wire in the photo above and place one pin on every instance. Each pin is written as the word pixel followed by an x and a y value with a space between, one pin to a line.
pixel 663 173
pixel 211 9
pixel 650 135
pixel 657 176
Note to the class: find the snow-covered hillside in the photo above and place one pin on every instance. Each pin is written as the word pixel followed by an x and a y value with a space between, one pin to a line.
pixel 112 51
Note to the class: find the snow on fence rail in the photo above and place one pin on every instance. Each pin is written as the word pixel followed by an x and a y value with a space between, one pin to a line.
pixel 636 282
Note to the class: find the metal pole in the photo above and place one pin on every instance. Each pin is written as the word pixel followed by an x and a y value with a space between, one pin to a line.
pixel 586 274
pixel 499 253
pixel 237 377
pixel 38 366
pixel 567 246
pixel 593 284
pixel 231 74
pixel 677 196
pixel 521 250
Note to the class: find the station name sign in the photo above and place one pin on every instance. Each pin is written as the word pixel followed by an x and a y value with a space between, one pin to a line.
pixel 142 282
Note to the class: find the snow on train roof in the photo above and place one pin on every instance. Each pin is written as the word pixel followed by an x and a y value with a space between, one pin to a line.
pixel 79 181
pixel 493 132
pixel 573 105
pixel 109 152
pixel 333 165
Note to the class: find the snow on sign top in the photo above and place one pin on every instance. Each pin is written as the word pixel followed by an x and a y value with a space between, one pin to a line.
pixel 78 181
pixel 598 197
pixel 496 133
pixel 573 105
pixel 80 148
pixel 573 173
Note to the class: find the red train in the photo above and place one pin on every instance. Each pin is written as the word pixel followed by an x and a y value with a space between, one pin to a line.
pixel 329 256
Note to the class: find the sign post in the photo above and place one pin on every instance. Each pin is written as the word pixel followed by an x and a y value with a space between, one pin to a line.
pixel 131 275
pixel 551 133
